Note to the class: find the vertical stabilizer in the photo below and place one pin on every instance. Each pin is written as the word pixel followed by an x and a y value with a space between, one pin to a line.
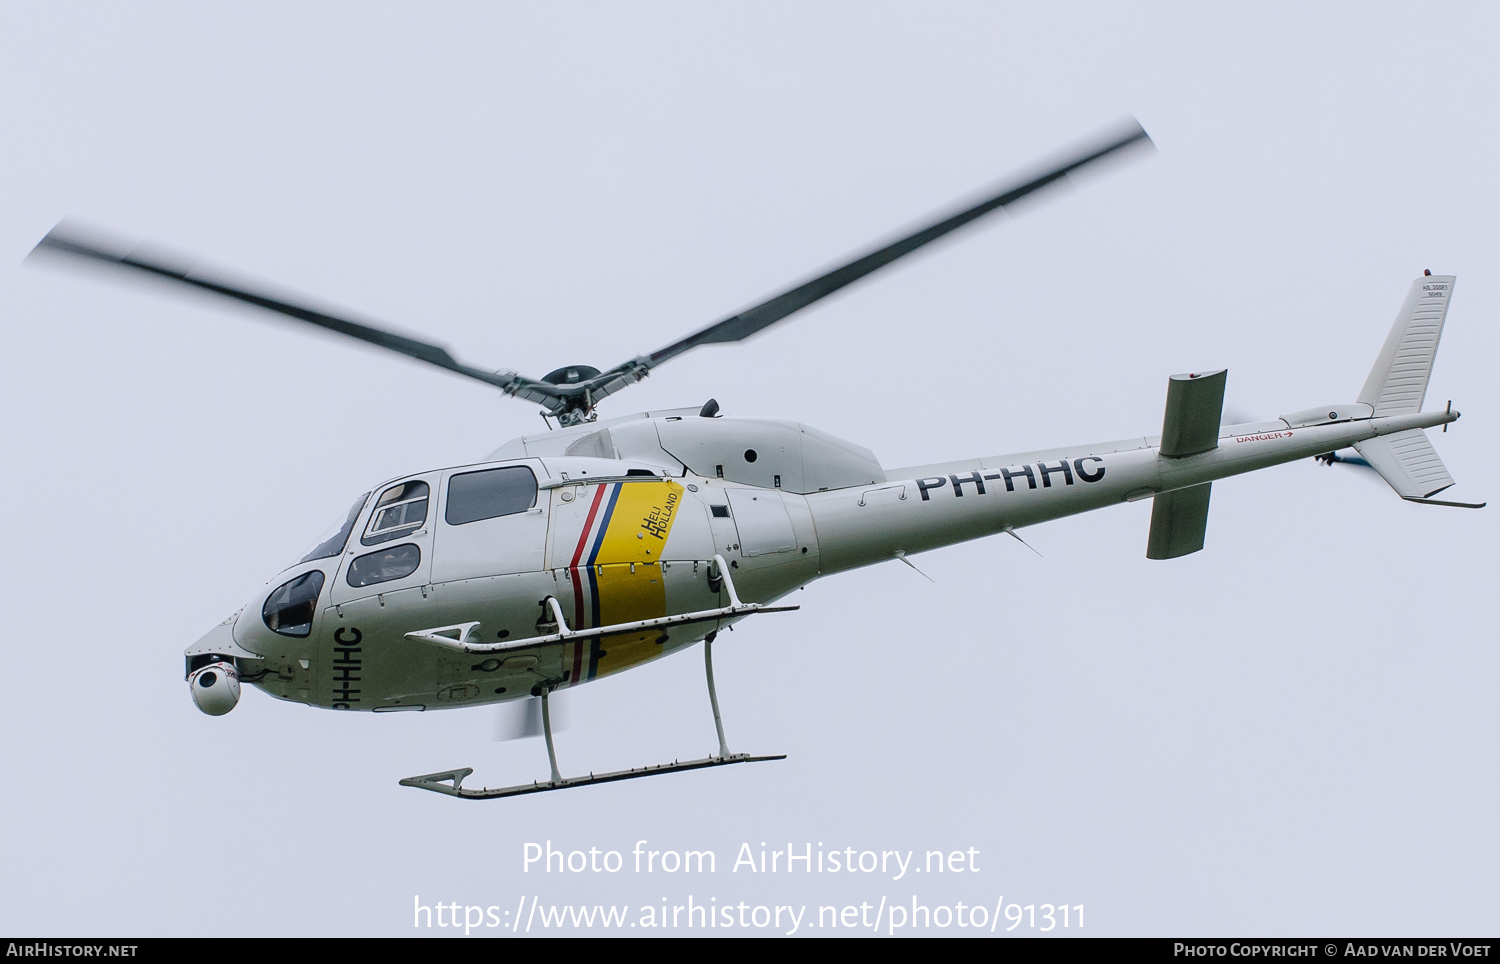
pixel 1397 386
pixel 1398 382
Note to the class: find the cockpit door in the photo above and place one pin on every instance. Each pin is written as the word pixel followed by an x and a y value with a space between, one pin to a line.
pixel 391 549
pixel 491 523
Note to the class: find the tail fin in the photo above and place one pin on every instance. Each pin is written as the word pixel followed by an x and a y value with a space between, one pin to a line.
pixel 1398 382
pixel 1179 519
pixel 1179 522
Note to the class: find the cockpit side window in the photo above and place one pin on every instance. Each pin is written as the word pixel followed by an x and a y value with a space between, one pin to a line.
pixel 402 510
pixel 490 493
pixel 289 609
pixel 332 542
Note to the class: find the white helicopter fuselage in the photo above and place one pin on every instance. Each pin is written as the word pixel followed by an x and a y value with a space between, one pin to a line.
pixel 602 545
pixel 630 532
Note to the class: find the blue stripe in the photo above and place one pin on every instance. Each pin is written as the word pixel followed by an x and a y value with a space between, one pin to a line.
pixel 609 510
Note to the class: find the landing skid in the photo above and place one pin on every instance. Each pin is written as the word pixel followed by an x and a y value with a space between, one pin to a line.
pixel 451 781
pixel 438 781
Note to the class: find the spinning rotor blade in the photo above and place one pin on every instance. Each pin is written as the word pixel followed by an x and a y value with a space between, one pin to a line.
pixel 571 392
pixel 522 719
pixel 752 320
pixel 67 240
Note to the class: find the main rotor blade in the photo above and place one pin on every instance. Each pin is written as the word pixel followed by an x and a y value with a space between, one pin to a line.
pixel 762 316
pixel 67 240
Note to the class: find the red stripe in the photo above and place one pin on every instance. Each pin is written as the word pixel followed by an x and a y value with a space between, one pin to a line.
pixel 583 539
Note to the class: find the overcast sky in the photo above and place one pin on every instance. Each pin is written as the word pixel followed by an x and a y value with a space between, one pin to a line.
pixel 1291 732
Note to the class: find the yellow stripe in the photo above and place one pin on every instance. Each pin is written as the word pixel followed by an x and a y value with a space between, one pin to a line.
pixel 626 596
pixel 642 519
pixel 628 569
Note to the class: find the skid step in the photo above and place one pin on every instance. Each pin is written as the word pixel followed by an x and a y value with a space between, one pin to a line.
pixel 451 781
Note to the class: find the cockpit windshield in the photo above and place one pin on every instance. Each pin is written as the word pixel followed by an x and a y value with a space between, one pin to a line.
pixel 332 541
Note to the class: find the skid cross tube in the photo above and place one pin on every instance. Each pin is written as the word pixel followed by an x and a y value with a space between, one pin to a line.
pixel 462 634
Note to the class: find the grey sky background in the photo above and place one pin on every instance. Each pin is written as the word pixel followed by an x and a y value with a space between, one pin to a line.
pixel 1292 732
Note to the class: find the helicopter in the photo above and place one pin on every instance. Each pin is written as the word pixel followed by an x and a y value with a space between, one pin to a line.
pixel 603 544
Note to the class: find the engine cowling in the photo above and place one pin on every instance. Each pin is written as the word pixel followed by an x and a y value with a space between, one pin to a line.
pixel 215 688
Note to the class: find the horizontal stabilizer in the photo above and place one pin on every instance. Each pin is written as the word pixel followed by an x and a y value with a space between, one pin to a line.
pixel 1195 406
pixel 1407 462
pixel 1179 521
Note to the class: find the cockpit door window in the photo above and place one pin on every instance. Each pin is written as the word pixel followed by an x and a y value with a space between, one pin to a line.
pixel 401 510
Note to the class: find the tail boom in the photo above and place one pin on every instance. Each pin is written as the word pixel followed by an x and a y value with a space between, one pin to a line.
pixel 938 505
